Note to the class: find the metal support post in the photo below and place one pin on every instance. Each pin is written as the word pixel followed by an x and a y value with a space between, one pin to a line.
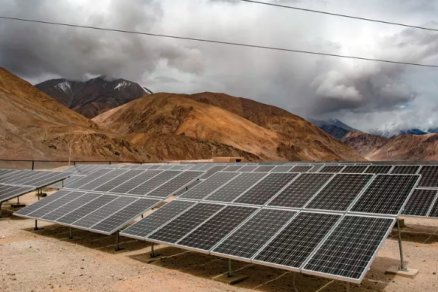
pixel 70 236
pixel 33 164
pixel 230 273
pixel 36 225
pixel 153 255
pixel 142 216
pixel 117 241
pixel 348 286
pixel 402 263
pixel 18 200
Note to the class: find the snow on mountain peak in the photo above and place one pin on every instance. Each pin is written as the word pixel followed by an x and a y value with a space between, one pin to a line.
pixel 64 86
pixel 122 84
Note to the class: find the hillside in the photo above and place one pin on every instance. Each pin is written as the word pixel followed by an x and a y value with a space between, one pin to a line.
pixel 35 126
pixel 265 131
pixel 409 147
pixel 365 144
pixel 94 96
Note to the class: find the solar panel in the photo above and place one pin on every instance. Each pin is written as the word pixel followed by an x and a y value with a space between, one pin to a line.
pixel 332 168
pixel 405 169
pixel 294 244
pixel 155 166
pixel 24 176
pixel 386 194
pixel 202 190
pixel 378 169
pixel 420 202
pixel 214 229
pixel 282 168
pixel 349 250
pixel 429 176
pixel 157 219
pixel 166 166
pixel 213 170
pixel 354 169
pixel 104 212
pixel 55 205
pixel 340 192
pixel 142 178
pixel 70 179
pixel 41 203
pixel 154 182
pixel 248 168
pixel 122 217
pixel 70 206
pixel 302 168
pixel 95 175
pixel 232 168
pixel 236 187
pixel 176 184
pixel 115 182
pixel 301 190
pixel 251 236
pixel 180 226
pixel 10 192
pixel 260 193
pixel 102 180
pixel 264 168
pixel 316 167
pixel 86 209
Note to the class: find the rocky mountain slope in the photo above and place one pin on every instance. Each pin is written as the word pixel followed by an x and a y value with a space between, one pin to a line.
pixel 333 127
pixel 364 143
pixel 94 96
pixel 35 126
pixel 262 130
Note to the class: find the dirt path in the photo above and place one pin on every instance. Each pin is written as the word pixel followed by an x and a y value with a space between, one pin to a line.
pixel 47 260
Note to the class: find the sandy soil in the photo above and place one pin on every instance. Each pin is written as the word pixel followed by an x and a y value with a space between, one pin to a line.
pixel 47 260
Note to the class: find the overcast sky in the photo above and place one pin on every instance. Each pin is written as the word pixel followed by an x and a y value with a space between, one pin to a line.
pixel 365 95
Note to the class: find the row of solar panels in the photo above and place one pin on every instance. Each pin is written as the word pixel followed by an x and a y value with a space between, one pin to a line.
pixel 331 245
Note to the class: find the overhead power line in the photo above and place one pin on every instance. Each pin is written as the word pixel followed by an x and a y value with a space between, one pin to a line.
pixel 341 15
pixel 219 42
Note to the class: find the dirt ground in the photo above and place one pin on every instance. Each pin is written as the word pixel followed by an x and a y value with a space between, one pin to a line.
pixel 46 260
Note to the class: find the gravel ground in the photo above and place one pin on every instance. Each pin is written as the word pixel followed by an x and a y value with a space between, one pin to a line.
pixel 47 260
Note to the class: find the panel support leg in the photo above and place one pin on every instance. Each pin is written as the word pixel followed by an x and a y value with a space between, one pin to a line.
pixel 18 200
pixel 36 225
pixel 402 263
pixel 230 272
pixel 70 236
pixel 347 286
pixel 153 251
pixel 117 241
pixel 141 216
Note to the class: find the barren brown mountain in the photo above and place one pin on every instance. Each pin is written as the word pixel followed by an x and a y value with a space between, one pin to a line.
pixel 364 143
pixel 265 131
pixel 35 126
pixel 408 147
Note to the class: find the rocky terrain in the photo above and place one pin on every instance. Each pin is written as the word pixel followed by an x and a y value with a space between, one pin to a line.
pixel 364 143
pixel 94 96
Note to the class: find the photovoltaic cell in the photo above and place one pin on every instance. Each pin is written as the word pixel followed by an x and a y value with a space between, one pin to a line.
pixel 378 169
pixel 157 219
pixel 252 235
pixel 236 187
pixel 70 206
pixel 202 190
pixel 9 192
pixel 104 212
pixel 294 244
pixel 217 227
pixel 41 203
pixel 434 210
pixel 282 168
pixel 266 188
pixel 232 168
pixel 154 182
pixel 351 247
pixel 332 168
pixel 95 175
pixel 386 194
pixel 248 168
pixel 55 204
pixel 429 176
pixel 354 169
pixel 103 179
pixel 179 227
pixel 316 167
pixel 213 170
pixel 176 184
pixel 117 220
pixel 86 209
pixel 340 192
pixel 118 180
pixel 405 169
pixel 302 168
pixel 301 190
pixel 420 202
pixel 264 168
pixel 142 178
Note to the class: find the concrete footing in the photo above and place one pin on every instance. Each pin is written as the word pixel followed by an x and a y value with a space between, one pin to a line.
pixel 236 278
pixel 42 195
pixel 394 270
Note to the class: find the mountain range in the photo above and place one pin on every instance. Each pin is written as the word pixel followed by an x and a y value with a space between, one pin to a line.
pixel 151 127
